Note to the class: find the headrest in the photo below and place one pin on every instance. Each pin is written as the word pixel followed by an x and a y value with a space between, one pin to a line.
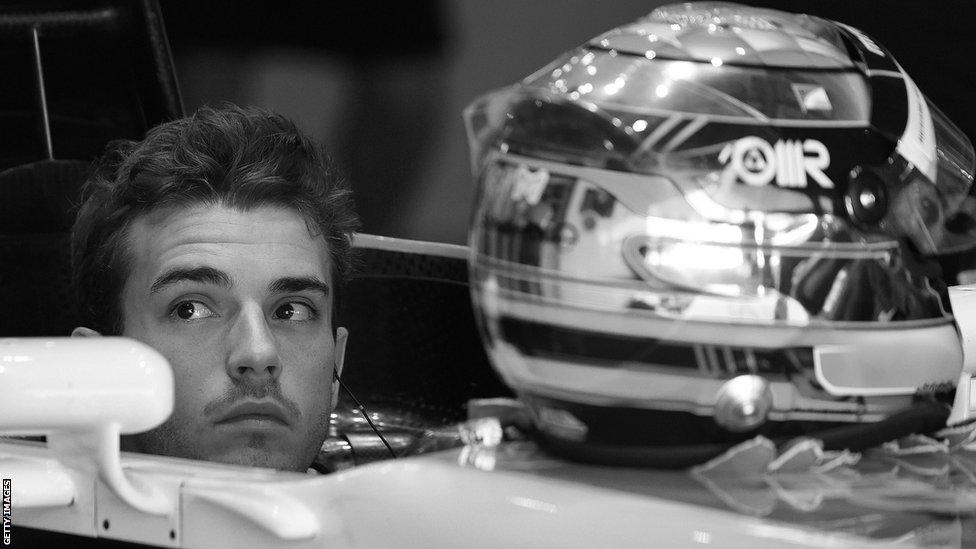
pixel 40 197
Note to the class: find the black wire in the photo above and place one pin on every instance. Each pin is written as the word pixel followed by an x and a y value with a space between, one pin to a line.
pixel 362 410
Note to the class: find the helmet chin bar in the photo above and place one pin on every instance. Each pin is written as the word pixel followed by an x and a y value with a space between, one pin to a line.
pixel 727 407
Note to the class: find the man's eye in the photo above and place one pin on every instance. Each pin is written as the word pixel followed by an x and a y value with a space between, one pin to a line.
pixel 295 311
pixel 191 310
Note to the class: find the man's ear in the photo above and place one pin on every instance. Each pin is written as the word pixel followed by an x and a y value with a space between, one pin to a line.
pixel 81 331
pixel 342 335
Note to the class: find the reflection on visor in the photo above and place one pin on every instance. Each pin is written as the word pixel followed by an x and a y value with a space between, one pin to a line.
pixel 930 179
pixel 785 284
pixel 558 233
pixel 937 218
pixel 721 166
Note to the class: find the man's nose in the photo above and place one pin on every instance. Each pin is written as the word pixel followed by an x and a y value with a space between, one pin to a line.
pixel 253 351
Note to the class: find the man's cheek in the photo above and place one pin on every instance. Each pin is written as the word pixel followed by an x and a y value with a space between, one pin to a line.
pixel 308 387
pixel 307 379
pixel 306 358
pixel 191 351
pixel 199 378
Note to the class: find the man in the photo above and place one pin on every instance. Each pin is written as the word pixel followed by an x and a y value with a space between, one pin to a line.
pixel 221 240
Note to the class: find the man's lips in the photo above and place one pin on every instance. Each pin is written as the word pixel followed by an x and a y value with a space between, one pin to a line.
pixel 268 411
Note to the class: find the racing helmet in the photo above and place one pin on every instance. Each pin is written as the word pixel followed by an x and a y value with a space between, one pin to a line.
pixel 714 223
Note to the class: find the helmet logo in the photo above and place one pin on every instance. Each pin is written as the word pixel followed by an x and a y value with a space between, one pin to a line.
pixel 789 163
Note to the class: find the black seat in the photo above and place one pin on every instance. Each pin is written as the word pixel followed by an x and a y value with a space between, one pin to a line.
pixel 77 75
pixel 83 71
pixel 414 348
pixel 35 267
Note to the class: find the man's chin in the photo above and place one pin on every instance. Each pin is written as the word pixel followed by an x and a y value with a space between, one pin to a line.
pixel 259 457
pixel 254 453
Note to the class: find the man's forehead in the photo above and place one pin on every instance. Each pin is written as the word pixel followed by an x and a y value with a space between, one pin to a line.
pixel 204 214
pixel 266 241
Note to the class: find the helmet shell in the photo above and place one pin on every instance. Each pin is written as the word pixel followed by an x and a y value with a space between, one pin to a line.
pixel 714 222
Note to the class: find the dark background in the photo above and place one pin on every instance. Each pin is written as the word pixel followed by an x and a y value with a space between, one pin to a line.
pixel 385 83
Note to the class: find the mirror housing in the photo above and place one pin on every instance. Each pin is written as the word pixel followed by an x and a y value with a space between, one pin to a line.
pixel 64 384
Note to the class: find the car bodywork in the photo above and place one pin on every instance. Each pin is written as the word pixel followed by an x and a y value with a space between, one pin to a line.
pixel 481 491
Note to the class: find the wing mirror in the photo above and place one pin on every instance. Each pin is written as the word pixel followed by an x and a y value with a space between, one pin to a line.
pixel 82 393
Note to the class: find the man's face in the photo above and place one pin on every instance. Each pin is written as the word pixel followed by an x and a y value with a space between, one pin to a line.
pixel 240 304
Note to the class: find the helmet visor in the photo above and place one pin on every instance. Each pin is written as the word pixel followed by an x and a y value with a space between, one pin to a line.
pixel 599 238
pixel 745 138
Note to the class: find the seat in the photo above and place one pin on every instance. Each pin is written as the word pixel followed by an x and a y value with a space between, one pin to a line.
pixel 414 351
pixel 78 74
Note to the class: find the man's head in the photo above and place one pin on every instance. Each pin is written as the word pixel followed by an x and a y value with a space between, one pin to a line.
pixel 221 240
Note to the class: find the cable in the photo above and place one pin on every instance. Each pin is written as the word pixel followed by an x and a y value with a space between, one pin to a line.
pixel 362 409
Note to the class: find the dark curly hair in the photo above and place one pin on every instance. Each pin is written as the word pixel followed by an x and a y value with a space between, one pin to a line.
pixel 237 157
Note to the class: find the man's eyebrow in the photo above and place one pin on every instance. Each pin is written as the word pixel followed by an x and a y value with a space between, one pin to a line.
pixel 294 284
pixel 207 275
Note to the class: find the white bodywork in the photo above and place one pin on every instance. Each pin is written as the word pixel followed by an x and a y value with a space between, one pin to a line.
pixel 434 501
pixel 505 496
pixel 963 300
pixel 65 384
